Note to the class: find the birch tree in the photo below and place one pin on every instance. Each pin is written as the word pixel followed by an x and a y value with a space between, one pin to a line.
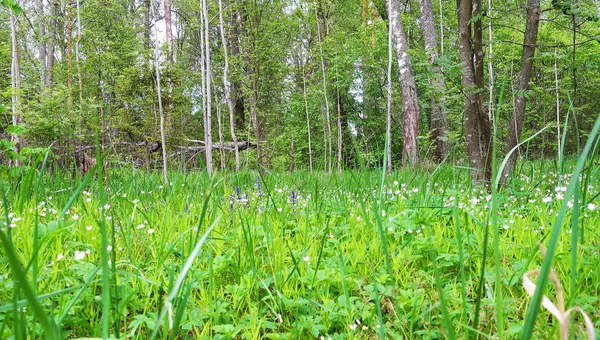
pixel 15 76
pixel 206 79
pixel 410 107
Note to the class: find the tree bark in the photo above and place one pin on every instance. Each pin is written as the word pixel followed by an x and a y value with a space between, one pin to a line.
pixel 54 9
pixel 321 34
pixel 206 80
pixel 160 109
pixel 69 53
pixel 236 88
pixel 438 119
pixel 310 159
pixel 168 30
pixel 227 87
pixel 410 107
pixel 388 125
pixel 15 76
pixel 477 123
pixel 516 121
pixel 42 38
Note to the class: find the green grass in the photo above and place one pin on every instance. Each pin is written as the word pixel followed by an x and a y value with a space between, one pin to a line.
pixel 358 255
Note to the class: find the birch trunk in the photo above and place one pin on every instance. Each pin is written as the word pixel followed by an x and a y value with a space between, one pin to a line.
pixel 206 85
pixel 410 107
pixel 15 76
pixel 388 128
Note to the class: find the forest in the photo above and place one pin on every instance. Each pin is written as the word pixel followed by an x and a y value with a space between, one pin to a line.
pixel 290 169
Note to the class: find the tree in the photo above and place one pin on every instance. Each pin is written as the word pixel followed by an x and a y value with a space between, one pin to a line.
pixel 15 76
pixel 161 112
pixel 529 44
pixel 477 123
pixel 206 81
pixel 410 106
pixel 438 119
pixel 227 89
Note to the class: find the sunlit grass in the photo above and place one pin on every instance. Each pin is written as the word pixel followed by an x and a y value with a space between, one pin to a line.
pixel 289 255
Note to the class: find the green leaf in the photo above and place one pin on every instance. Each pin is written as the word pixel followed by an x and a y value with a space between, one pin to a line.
pixel 16 130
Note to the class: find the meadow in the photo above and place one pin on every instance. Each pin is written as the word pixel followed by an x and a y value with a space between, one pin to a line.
pixel 418 254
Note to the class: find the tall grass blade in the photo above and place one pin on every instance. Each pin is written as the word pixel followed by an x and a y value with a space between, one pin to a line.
pixel 534 307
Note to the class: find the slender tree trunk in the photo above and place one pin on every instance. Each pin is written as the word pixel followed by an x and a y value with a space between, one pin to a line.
pixel 477 124
pixel 169 43
pixel 42 38
pixel 439 122
pixel 516 121
pixel 207 80
pixel 168 30
pixel 69 53
pixel 310 158
pixel 15 76
pixel 410 107
pixel 147 11
pixel 292 150
pixel 220 128
pixel 557 94
pixel 329 151
pixel 79 78
pixel 490 67
pixel 388 126
pixel 160 109
pixel 227 86
pixel 54 9
pixel 236 88
pixel 339 126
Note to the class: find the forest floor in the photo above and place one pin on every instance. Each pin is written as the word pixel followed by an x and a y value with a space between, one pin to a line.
pixel 288 256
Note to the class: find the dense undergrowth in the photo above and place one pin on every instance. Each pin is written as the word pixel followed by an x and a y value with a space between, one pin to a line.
pixel 290 256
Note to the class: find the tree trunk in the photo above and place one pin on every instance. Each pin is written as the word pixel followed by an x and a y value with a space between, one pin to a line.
pixel 54 9
pixel 477 123
pixel 410 107
pixel 236 88
pixel 310 159
pixel 15 76
pixel 516 121
pixel 69 53
pixel 147 21
pixel 168 30
pixel 388 125
pixel 206 80
pixel 339 127
pixel 79 78
pixel 42 38
pixel 321 33
pixel 160 109
pixel 292 150
pixel 439 122
pixel 227 87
